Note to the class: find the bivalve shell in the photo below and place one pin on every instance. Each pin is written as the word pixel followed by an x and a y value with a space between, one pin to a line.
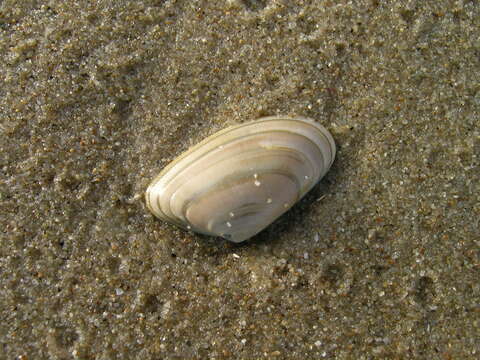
pixel 236 182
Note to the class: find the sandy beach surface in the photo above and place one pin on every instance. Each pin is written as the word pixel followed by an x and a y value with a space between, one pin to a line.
pixel 381 260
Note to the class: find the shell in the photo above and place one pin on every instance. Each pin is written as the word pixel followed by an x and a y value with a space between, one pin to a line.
pixel 236 182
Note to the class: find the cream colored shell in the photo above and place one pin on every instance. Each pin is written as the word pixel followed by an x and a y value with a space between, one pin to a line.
pixel 236 182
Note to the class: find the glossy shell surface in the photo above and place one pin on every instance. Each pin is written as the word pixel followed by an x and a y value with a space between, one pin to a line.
pixel 236 182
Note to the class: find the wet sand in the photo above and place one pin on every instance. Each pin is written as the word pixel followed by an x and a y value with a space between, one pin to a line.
pixel 380 261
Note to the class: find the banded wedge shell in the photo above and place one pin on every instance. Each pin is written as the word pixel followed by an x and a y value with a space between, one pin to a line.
pixel 236 182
